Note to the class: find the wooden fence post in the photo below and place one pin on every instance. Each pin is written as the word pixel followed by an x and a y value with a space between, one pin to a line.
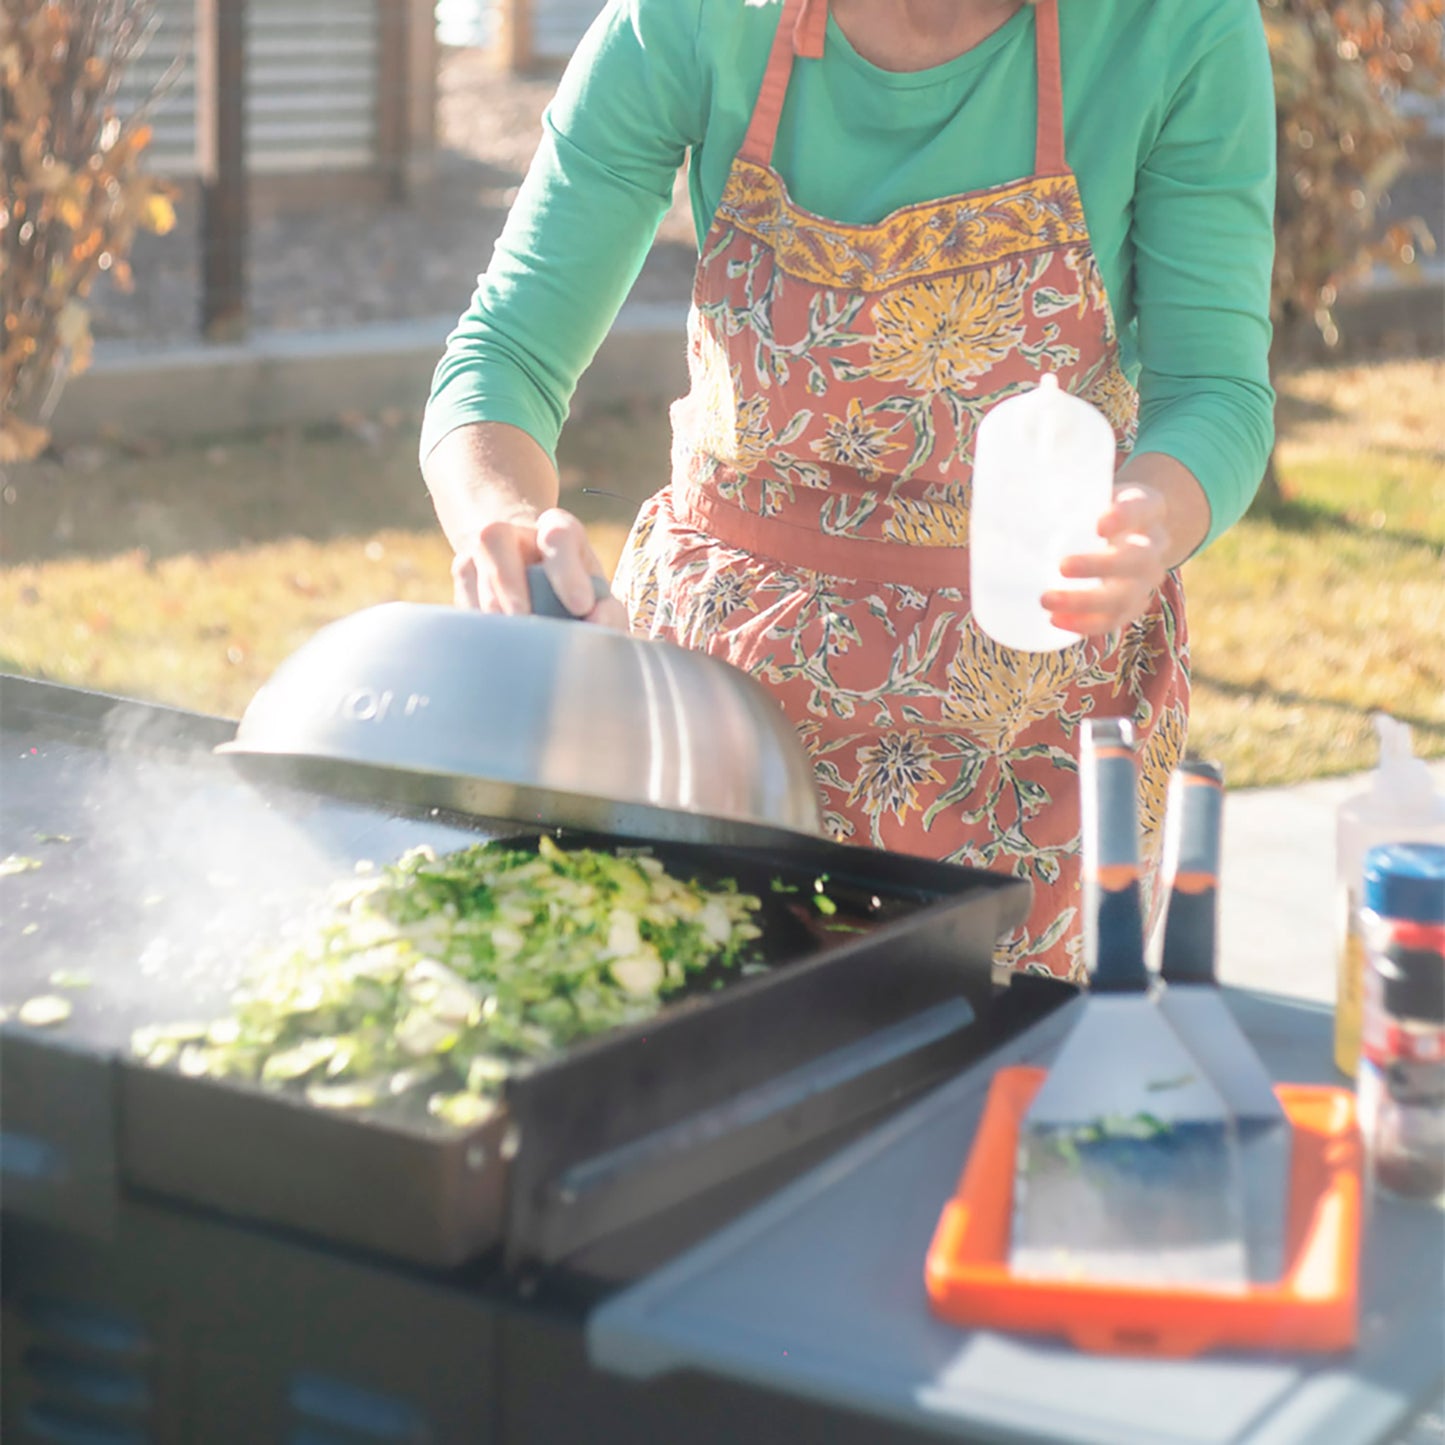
pixel 221 165
pixel 422 86
pixel 514 34
pixel 393 98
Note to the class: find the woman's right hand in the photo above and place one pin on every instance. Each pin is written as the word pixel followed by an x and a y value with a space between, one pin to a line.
pixel 491 575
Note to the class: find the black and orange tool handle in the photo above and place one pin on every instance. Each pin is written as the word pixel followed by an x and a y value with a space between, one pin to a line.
pixel 1108 805
pixel 1196 814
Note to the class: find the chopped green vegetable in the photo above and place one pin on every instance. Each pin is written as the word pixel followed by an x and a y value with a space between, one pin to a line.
pixel 161 1044
pixel 1139 1127
pixel 186 1033
pixel 821 901
pixel 464 1110
pixel 69 978
pixel 17 863
pixel 344 1096
pixel 440 976
pixel 45 1011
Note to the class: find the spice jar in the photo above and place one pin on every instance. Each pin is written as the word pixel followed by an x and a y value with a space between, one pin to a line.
pixel 1402 1066
pixel 1401 805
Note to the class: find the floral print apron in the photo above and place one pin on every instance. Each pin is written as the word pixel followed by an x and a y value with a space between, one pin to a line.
pixel 815 530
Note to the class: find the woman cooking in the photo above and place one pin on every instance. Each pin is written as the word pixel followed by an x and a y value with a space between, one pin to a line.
pixel 907 211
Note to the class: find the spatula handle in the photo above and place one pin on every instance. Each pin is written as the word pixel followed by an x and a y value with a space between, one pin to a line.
pixel 1192 851
pixel 1108 798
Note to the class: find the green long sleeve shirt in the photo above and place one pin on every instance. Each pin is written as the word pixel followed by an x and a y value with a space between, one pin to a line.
pixel 1169 127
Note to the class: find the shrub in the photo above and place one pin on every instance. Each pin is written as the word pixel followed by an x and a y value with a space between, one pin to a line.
pixel 72 193
pixel 1340 70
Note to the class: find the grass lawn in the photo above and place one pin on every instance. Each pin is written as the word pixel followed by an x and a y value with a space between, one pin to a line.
pixel 186 574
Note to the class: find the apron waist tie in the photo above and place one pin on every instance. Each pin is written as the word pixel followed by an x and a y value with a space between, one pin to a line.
pixel 861 559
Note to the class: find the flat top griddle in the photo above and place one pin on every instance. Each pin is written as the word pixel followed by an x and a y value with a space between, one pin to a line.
pixel 163 874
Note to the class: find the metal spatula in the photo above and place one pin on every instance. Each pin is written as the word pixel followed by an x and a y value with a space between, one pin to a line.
pixel 1190 1000
pixel 1129 1163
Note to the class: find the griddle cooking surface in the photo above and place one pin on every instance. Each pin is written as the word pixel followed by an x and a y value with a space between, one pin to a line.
pixel 162 875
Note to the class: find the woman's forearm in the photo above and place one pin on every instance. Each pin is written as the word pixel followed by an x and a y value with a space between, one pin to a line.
pixel 487 472
pixel 1186 507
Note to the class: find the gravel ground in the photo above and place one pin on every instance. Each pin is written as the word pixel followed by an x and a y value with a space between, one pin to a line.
pixel 353 264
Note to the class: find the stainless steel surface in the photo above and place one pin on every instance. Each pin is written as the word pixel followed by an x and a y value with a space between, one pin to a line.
pixel 1130 1167
pixel 532 719
pixel 1195 1009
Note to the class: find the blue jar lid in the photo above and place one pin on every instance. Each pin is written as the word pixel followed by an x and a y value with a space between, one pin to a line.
pixel 1406 880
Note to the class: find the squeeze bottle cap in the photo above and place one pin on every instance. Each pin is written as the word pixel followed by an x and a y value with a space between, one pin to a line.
pixel 1402 778
pixel 1047 396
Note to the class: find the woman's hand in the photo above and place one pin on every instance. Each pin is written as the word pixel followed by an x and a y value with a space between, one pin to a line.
pixel 1121 578
pixel 491 574
pixel 495 491
pixel 1159 518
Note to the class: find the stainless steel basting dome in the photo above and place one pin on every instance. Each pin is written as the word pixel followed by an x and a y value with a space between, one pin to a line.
pixel 535 720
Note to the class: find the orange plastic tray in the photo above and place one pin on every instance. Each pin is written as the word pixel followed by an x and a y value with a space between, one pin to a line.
pixel 1313 1307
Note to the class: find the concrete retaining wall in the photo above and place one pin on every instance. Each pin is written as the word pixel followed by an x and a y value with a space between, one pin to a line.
pixel 291 378
pixel 298 378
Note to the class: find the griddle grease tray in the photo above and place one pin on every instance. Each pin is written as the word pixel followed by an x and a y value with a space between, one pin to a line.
pixel 1311 1307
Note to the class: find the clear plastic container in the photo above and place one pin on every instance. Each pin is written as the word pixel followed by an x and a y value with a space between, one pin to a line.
pixel 1401 1088
pixel 1043 475
pixel 1401 805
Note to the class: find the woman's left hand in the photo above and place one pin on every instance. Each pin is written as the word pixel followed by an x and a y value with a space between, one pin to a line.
pixel 1121 578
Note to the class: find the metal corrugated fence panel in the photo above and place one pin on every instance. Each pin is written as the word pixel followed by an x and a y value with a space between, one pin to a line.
pixel 557 25
pixel 313 74
pixel 465 22
pixel 173 145
pixel 312 101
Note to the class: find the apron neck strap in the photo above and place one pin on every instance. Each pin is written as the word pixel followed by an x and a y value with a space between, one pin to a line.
pixel 1049 144
pixel 797 24
pixel 801 31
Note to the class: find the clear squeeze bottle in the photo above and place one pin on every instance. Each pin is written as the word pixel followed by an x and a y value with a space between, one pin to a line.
pixel 1401 805
pixel 1043 475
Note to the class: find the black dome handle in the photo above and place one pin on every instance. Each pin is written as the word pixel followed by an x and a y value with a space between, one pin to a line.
pixel 545 601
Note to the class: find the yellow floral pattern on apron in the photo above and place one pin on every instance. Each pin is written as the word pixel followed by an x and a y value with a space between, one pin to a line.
pixel 815 531
pixel 912 244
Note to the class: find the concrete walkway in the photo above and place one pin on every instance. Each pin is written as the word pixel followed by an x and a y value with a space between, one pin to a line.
pixel 1277 902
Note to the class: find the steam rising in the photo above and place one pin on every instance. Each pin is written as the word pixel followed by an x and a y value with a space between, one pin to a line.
pixel 164 873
